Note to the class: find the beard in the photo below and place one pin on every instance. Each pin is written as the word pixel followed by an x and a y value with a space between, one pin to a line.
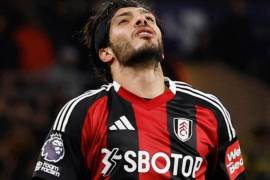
pixel 146 56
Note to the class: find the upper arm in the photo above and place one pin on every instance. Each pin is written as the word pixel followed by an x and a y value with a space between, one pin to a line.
pixel 61 156
pixel 229 161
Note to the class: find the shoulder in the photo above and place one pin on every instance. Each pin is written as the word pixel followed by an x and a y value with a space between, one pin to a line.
pixel 74 111
pixel 187 89
pixel 208 100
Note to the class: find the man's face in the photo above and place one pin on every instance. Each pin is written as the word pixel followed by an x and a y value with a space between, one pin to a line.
pixel 134 31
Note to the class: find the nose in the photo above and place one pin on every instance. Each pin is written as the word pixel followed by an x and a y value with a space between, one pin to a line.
pixel 141 21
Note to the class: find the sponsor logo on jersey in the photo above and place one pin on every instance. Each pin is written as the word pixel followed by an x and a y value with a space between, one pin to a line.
pixel 182 128
pixel 144 162
pixel 53 149
pixel 48 168
pixel 110 160
pixel 234 161
pixel 122 124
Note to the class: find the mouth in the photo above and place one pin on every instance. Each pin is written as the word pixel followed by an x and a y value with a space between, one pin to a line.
pixel 145 33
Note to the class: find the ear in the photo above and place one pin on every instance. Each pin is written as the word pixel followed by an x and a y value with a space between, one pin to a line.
pixel 106 54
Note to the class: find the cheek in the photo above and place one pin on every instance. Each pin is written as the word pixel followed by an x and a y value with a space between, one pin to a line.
pixel 159 35
pixel 118 35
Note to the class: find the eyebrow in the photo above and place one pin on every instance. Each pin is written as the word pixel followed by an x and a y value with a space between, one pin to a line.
pixel 124 14
pixel 128 13
pixel 145 11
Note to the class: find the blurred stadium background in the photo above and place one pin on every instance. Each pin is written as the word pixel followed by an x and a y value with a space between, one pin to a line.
pixel 221 47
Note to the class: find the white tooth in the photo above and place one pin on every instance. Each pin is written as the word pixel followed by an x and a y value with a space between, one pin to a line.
pixel 144 33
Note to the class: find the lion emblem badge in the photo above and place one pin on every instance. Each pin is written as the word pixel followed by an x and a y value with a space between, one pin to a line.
pixel 53 149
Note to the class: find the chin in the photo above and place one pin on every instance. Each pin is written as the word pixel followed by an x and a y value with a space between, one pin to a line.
pixel 147 54
pixel 148 43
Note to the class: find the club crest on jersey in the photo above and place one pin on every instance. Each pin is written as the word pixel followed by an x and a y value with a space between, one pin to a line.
pixel 182 128
pixel 53 149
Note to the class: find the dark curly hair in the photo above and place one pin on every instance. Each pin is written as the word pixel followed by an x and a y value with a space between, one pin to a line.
pixel 96 33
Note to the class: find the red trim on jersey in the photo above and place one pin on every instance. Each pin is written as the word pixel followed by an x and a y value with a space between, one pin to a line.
pixel 95 120
pixel 207 140
pixel 148 104
pixel 153 137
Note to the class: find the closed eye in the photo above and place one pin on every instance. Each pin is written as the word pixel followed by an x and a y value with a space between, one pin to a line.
pixel 122 21
pixel 150 18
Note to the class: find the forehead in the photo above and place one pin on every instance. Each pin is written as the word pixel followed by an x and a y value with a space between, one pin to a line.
pixel 131 10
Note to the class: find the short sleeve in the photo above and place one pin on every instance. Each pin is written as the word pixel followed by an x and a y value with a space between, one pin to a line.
pixel 57 159
pixel 61 155
pixel 229 160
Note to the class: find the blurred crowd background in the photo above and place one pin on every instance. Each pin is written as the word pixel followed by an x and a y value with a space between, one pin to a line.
pixel 221 47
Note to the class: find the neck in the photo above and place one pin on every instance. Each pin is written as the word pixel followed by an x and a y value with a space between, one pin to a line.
pixel 145 83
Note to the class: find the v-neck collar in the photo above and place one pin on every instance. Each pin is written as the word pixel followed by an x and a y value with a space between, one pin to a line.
pixel 166 96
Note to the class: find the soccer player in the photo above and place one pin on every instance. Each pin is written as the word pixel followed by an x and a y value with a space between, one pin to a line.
pixel 141 125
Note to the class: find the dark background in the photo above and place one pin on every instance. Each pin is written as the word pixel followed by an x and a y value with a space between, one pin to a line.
pixel 221 47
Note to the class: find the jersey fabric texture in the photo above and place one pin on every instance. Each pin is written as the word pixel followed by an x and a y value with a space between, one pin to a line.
pixel 110 133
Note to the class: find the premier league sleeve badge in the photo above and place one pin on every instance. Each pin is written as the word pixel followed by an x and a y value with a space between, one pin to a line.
pixel 53 149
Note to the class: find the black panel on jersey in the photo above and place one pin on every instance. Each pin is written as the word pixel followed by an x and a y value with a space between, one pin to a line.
pixel 73 130
pixel 123 139
pixel 180 108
